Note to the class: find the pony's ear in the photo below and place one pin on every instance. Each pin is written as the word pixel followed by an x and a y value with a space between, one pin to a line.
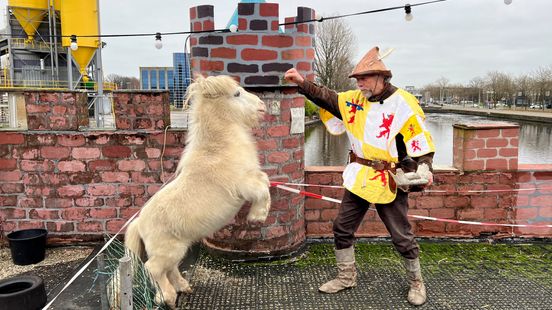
pixel 197 76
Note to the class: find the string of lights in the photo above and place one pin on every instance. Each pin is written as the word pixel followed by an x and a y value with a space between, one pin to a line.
pixel 233 28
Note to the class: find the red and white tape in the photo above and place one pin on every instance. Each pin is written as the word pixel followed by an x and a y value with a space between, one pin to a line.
pixel 304 193
pixel 430 218
pixel 428 191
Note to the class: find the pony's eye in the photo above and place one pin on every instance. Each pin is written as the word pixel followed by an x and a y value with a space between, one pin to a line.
pixel 237 94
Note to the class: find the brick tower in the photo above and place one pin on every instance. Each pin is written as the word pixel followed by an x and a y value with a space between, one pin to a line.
pixel 257 55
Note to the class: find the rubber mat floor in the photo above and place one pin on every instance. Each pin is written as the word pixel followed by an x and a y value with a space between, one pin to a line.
pixel 456 276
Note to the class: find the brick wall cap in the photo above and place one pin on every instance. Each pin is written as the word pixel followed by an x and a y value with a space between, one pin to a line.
pixel 436 169
pixel 324 168
pixel 141 91
pixel 40 90
pixel 488 125
pixel 444 168
pixel 534 167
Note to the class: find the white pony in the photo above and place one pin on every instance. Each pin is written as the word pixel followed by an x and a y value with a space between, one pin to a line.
pixel 218 172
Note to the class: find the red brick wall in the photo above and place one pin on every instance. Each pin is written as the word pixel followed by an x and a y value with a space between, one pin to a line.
pixel 141 110
pixel 450 198
pixel 281 155
pixel 54 110
pixel 81 184
pixel 257 55
pixel 492 146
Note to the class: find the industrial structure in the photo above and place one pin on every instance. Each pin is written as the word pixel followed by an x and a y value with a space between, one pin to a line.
pixel 51 44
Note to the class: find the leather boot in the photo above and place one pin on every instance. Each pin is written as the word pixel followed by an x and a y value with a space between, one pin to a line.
pixel 346 272
pixel 417 293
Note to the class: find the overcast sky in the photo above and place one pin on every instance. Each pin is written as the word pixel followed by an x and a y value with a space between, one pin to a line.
pixel 455 39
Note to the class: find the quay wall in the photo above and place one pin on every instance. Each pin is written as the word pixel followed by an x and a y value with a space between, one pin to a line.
pixel 503 115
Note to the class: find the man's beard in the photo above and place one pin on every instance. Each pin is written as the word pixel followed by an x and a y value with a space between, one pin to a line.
pixel 367 93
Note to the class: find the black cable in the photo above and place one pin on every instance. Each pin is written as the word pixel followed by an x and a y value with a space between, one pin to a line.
pixel 227 30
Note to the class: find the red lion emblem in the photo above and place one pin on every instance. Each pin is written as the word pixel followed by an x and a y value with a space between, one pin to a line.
pixel 412 130
pixel 415 146
pixel 386 124
pixel 380 174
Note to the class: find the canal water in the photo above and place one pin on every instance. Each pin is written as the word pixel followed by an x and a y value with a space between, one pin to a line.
pixel 535 143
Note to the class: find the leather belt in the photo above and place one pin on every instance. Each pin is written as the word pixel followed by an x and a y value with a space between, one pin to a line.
pixel 376 164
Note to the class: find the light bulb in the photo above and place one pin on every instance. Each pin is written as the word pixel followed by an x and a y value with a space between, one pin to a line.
pixel 233 28
pixel 408 11
pixel 74 46
pixel 158 43
pixel 507 2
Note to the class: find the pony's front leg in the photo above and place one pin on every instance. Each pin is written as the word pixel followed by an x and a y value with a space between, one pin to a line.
pixel 256 190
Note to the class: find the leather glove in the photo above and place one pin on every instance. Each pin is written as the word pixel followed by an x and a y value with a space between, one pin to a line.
pixel 405 181
pixel 424 173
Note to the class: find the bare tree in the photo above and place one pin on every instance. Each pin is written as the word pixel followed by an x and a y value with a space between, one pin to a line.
pixel 334 52
pixel 533 89
pixel 499 87
pixel 442 82
pixel 431 91
pixel 542 83
pixel 522 86
pixel 478 84
pixel 123 82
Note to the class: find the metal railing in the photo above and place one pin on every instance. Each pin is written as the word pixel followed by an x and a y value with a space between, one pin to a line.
pixel 31 44
pixel 6 82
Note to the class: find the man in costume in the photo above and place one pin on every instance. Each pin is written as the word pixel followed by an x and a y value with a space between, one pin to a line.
pixel 391 154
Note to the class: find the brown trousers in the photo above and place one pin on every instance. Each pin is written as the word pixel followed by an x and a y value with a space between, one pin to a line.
pixel 394 216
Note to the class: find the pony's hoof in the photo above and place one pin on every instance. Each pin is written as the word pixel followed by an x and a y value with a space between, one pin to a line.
pixel 167 300
pixel 171 302
pixel 256 219
pixel 258 216
pixel 184 287
pixel 187 290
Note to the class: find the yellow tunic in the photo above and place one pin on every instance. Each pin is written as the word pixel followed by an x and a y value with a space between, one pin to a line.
pixel 372 128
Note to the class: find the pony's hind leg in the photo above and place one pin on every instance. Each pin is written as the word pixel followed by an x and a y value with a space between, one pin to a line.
pixel 158 268
pixel 162 259
pixel 180 284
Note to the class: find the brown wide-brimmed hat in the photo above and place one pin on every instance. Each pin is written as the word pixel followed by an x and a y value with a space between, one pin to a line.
pixel 371 64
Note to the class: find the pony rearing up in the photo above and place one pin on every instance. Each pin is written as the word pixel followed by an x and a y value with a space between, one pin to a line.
pixel 217 173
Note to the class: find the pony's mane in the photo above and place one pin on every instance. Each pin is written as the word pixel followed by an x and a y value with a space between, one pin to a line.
pixel 212 87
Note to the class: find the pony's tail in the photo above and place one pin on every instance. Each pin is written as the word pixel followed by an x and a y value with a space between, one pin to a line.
pixel 133 241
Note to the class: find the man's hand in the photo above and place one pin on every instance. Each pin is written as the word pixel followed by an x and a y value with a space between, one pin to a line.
pixel 293 76
pixel 424 173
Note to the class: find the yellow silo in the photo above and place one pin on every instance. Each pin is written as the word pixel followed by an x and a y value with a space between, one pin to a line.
pixel 80 18
pixel 29 13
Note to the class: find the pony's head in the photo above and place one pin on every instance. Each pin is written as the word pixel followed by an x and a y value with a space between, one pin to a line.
pixel 223 96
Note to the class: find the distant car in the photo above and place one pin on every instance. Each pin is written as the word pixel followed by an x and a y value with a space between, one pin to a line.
pixel 549 106
pixel 535 106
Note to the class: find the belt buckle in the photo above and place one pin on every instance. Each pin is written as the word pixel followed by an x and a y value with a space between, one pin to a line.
pixel 378 165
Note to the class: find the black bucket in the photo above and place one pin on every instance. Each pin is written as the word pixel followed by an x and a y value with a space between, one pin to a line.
pixel 28 246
